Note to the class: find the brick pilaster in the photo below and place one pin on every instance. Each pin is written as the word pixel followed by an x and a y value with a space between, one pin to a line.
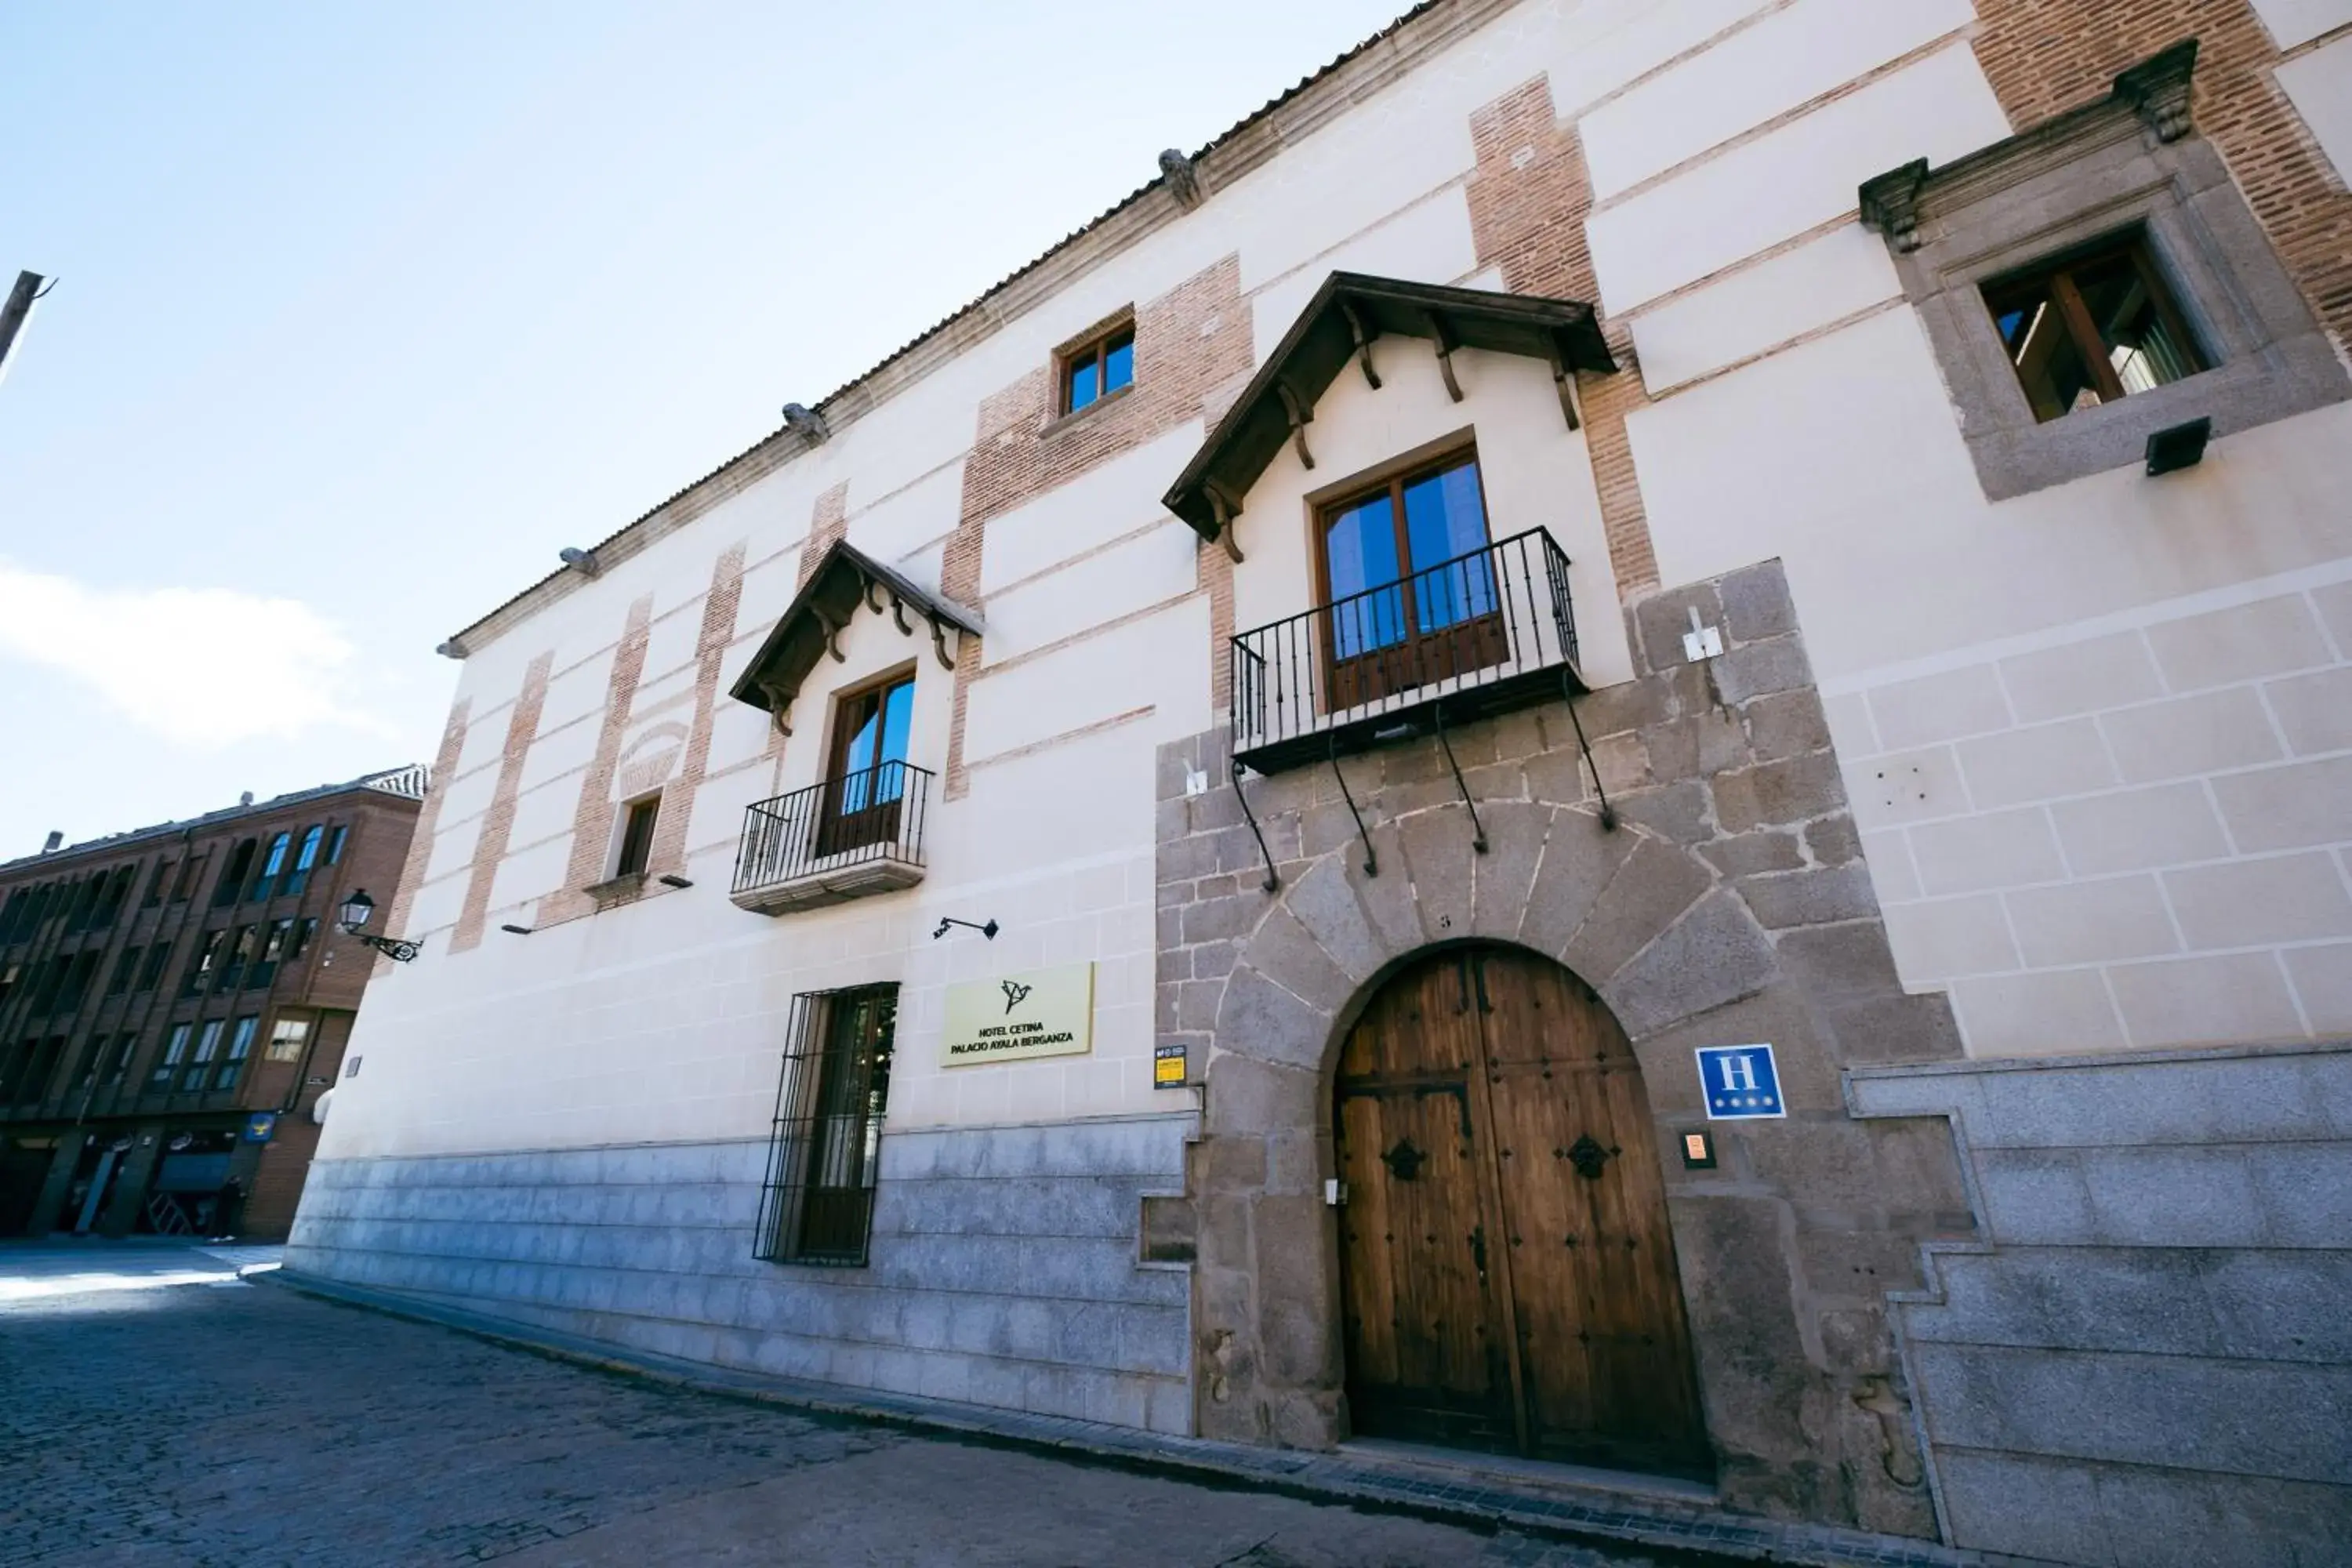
pixel 719 607
pixel 420 844
pixel 1528 198
pixel 498 820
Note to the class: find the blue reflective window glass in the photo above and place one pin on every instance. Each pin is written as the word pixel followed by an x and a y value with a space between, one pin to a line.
pixel 897 715
pixel 1444 524
pixel 1083 382
pixel 1360 556
pixel 1118 364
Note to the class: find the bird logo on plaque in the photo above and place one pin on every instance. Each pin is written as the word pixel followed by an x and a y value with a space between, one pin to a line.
pixel 1012 1017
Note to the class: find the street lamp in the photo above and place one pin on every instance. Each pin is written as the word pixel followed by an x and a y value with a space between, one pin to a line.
pixel 355 912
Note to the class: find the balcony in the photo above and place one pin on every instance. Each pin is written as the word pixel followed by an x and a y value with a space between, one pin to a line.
pixel 844 838
pixel 1466 638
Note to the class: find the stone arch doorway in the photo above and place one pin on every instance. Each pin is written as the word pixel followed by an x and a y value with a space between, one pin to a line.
pixel 1506 1271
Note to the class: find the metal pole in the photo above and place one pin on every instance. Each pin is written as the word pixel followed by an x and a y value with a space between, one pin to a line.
pixel 13 314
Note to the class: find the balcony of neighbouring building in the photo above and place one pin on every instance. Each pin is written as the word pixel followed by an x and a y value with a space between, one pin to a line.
pixel 1476 635
pixel 843 839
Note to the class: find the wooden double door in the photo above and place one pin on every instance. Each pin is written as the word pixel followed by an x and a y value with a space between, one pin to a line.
pixel 1508 1275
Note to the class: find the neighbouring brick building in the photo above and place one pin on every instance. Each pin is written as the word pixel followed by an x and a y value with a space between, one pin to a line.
pixel 1218 844
pixel 172 1009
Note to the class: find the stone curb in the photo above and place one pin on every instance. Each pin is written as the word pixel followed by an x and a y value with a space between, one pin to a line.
pixel 1691 1535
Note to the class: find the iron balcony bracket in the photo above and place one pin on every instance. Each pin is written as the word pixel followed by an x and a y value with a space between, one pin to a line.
pixel 1273 878
pixel 1608 812
pixel 1371 861
pixel 1476 827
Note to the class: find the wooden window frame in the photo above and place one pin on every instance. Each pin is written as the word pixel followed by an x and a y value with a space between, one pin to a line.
pixel 841 832
pixel 1338 676
pixel 2057 274
pixel 630 845
pixel 1093 349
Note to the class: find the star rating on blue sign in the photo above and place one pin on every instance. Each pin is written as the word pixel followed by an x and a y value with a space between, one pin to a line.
pixel 1739 1082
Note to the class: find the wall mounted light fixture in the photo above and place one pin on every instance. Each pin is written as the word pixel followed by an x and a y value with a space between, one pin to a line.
pixel 988 931
pixel 355 914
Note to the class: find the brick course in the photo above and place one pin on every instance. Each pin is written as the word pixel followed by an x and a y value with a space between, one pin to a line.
pixel 1528 198
pixel 498 821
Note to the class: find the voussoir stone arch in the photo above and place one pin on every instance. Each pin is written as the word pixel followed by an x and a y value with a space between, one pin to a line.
pixel 1638 917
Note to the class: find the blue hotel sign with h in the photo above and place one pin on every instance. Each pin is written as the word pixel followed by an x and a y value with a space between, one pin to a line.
pixel 1740 1082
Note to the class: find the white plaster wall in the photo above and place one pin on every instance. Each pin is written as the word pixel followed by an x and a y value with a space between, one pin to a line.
pixel 2293 22
pixel 1777 185
pixel 1781 63
pixel 2319 85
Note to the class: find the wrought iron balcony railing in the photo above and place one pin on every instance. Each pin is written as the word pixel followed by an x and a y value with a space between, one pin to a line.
pixel 1482 633
pixel 843 839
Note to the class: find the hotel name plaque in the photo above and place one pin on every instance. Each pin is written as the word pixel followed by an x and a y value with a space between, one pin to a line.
pixel 1012 1017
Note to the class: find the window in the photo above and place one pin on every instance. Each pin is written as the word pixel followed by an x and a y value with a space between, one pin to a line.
pixel 240 1046
pixel 2095 280
pixel 125 967
pixel 10 974
pixel 264 881
pixel 233 875
pixel 2093 330
pixel 157 882
pixel 241 951
pixel 868 778
pixel 208 955
pixel 192 875
pixel 335 845
pixel 38 1062
pixel 304 930
pixel 299 878
pixel 175 1051
pixel 817 1206
pixel 118 1067
pixel 276 937
pixel 1407 589
pixel 157 957
pixel 200 1063
pixel 1098 367
pixel 637 835
pixel 286 1038
pixel 79 971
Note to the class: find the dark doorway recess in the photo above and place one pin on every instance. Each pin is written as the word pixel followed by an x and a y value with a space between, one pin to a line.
pixel 1508 1274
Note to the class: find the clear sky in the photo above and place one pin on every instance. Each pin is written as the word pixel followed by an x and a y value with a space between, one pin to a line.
pixel 363 312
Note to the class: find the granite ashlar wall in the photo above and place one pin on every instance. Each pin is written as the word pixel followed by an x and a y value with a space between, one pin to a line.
pixel 1004 1266
pixel 2144 1358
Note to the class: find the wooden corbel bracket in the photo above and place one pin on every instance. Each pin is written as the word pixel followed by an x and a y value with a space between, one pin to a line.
pixel 1300 416
pixel 1363 342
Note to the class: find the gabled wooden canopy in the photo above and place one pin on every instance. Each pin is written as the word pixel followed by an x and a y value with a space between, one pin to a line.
pixel 1347 315
pixel 812 625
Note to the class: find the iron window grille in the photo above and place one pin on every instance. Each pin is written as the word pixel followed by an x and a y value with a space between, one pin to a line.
pixel 817 1203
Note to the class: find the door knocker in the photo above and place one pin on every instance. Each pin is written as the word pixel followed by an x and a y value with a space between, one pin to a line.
pixel 1587 1156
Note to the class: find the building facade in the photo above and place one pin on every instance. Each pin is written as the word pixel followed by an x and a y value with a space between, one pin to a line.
pixel 174 1004
pixel 1622 739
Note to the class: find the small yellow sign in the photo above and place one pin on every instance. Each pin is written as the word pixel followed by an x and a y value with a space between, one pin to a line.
pixel 1044 1013
pixel 1168 1066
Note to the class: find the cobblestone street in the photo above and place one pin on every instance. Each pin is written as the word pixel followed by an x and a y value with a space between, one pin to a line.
pixel 229 1422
